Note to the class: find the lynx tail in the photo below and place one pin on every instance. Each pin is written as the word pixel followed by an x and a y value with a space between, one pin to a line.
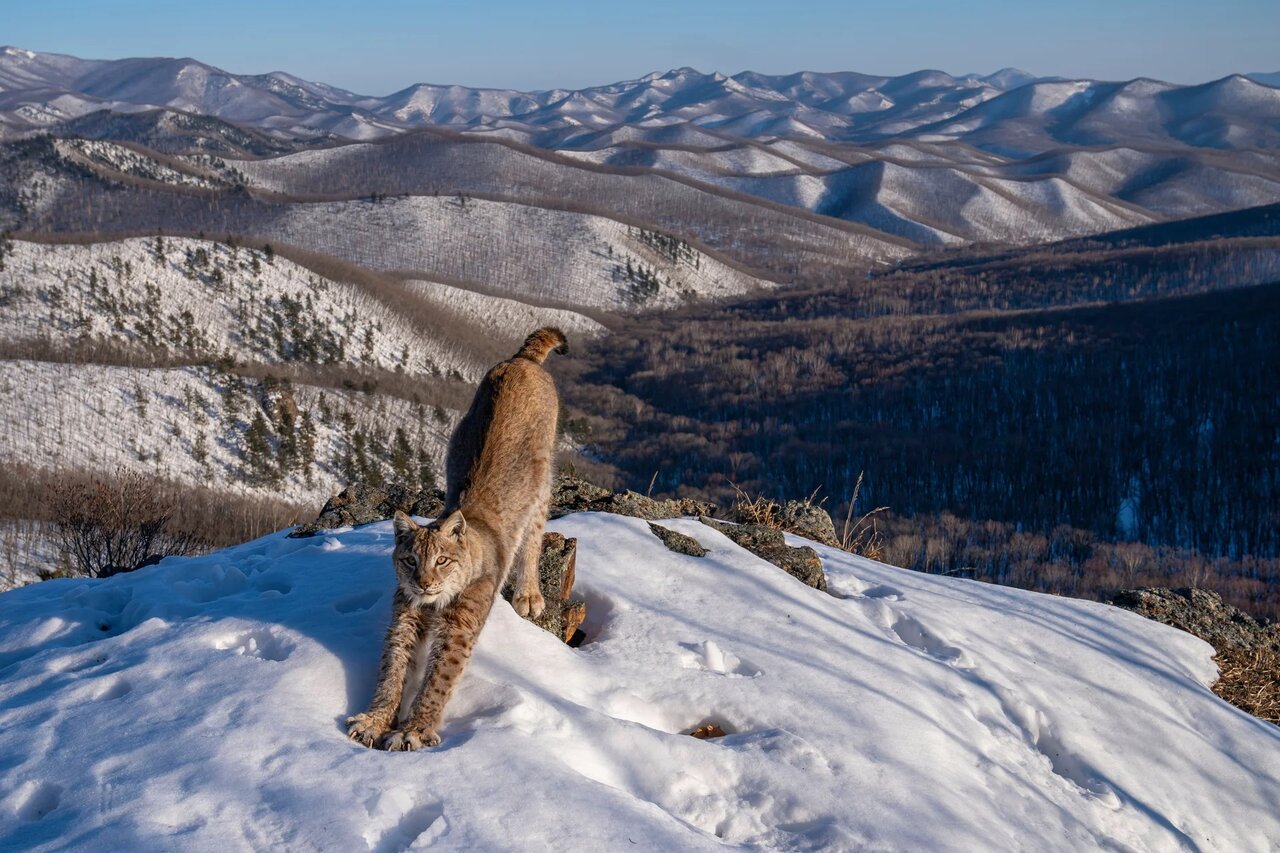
pixel 541 342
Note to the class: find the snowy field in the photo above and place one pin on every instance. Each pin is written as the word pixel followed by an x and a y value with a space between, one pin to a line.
pixel 199 705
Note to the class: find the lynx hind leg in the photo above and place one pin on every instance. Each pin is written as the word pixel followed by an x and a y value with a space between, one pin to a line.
pixel 528 600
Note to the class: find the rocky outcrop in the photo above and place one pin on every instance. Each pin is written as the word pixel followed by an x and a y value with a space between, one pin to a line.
pixel 570 494
pixel 810 521
pixel 557 568
pixel 360 504
pixel 1248 651
pixel 678 542
pixel 1203 613
pixel 769 544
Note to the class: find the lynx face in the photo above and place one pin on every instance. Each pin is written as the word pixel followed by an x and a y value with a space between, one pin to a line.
pixel 432 562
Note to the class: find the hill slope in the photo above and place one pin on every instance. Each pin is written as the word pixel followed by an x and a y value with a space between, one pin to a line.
pixel 905 711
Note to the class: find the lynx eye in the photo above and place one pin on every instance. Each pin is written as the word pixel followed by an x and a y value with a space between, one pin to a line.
pixel 411 561
pixel 440 561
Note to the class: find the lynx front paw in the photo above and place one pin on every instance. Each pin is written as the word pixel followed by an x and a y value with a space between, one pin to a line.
pixel 408 740
pixel 365 729
pixel 529 605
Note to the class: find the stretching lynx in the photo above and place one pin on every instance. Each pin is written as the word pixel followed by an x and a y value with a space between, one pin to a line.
pixel 449 571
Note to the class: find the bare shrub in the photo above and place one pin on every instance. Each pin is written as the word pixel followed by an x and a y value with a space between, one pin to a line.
pixel 116 525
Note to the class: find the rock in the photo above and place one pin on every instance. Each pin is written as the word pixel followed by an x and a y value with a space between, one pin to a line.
pixel 360 504
pixel 275 396
pixel 799 517
pixel 769 544
pixel 639 506
pixel 707 732
pixel 678 542
pixel 557 568
pixel 1247 651
pixel 574 614
pixel 570 494
pixel 1203 613
pixel 428 504
pixel 810 521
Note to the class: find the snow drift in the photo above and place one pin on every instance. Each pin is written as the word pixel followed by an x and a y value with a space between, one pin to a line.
pixel 199 704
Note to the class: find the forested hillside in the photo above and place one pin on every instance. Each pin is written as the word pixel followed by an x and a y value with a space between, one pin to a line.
pixel 1085 395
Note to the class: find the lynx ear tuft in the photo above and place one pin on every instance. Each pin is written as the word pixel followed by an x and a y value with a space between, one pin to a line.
pixel 403 524
pixel 456 525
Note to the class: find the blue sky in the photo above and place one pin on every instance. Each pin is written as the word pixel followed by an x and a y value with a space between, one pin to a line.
pixel 379 46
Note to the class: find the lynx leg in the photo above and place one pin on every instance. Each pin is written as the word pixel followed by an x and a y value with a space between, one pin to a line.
pixel 460 625
pixel 528 600
pixel 407 625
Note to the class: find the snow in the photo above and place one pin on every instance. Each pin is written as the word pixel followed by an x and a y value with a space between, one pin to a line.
pixel 129 162
pixel 184 424
pixel 498 316
pixel 237 300
pixel 199 704
pixel 533 254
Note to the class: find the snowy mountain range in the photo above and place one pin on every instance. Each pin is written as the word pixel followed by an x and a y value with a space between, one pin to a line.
pixel 198 704
pixel 1010 111
pixel 918 160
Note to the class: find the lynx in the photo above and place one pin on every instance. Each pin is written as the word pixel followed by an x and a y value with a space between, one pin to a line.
pixel 448 572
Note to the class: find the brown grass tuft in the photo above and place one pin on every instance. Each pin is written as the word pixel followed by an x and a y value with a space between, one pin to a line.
pixel 758 510
pixel 862 537
pixel 1250 680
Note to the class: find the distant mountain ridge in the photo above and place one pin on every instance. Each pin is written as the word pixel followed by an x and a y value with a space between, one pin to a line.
pixel 1010 111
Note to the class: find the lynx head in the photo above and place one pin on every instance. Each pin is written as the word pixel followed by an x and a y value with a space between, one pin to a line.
pixel 432 562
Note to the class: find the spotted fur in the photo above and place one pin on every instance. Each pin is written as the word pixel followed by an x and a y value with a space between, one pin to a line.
pixel 449 572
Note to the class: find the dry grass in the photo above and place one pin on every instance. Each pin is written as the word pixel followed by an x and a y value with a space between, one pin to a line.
pixel 758 510
pixel 1250 680
pixel 861 536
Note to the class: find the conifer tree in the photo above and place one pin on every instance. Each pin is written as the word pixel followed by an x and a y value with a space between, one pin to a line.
pixel 258 461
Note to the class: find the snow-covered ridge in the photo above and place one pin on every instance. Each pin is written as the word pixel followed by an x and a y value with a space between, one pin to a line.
pixel 533 254
pixel 126 161
pixel 499 315
pixel 1007 107
pixel 903 712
